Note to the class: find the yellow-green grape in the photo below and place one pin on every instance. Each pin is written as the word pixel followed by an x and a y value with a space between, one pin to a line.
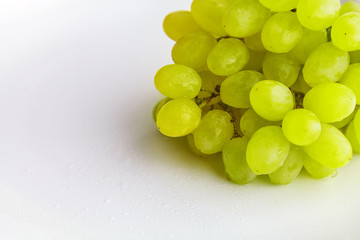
pixel 193 49
pixel 326 63
pixel 317 15
pixel 316 170
pixel 355 56
pixel 345 32
pixel 350 6
pixel 244 18
pixel 192 147
pixel 254 43
pixel 250 122
pixel 301 127
pixel 300 85
pixel 282 67
pixel 158 106
pixel 331 102
pixel 227 57
pixel 309 41
pixel 178 81
pixel 279 5
pixel 211 107
pixel 235 89
pixel 178 118
pixel 351 79
pixel 234 158
pixel 345 121
pixel 214 130
pixel 209 14
pixel 179 23
pixel 271 100
pixel 291 168
pixel 351 136
pixel 331 149
pixel 255 61
pixel 281 32
pixel 267 150
pixel 210 83
pixel 357 124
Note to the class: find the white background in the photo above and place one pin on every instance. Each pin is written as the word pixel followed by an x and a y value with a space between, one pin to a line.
pixel 80 154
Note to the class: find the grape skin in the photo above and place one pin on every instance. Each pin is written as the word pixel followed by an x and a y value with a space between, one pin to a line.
pixel 179 23
pixel 351 136
pixel 345 32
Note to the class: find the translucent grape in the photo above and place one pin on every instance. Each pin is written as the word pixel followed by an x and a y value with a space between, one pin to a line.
pixel 354 56
pixel 193 49
pixel 300 85
pixel 316 170
pixel 291 168
pixel 267 150
pixel 350 6
pixel 281 32
pixel 281 67
pixel 178 118
pixel 244 18
pixel 227 57
pixel 158 106
pixel 254 42
pixel 331 102
pixel 250 122
pixel 236 88
pixel 317 15
pixel 279 5
pixel 345 32
pixel 255 61
pixel 234 158
pixel 271 100
pixel 351 136
pixel 178 81
pixel 179 23
pixel 214 130
pixel 351 79
pixel 192 147
pixel 357 124
pixel 326 63
pixel 331 149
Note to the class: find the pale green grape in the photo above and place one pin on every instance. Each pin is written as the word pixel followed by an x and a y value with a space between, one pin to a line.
pixel 331 102
pixel 331 149
pixel 158 106
pixel 210 83
pixel 178 118
pixel 255 60
pixel 279 5
pixel 214 130
pixel 354 56
pixel 178 81
pixel 179 23
pixel 345 121
pixel 309 41
pixel 235 89
pixel 300 85
pixel 357 124
pixel 281 67
pixel 351 79
pixel 227 57
pixel 291 168
pixel 267 150
pixel 271 100
pixel 350 6
pixel 326 63
pixel 244 18
pixel 351 136
pixel 193 49
pixel 345 32
pixel 250 122
pixel 254 43
pixel 319 14
pixel 234 158
pixel 192 147
pixel 281 32
pixel 316 170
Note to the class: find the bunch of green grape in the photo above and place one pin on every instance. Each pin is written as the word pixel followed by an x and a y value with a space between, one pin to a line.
pixel 271 85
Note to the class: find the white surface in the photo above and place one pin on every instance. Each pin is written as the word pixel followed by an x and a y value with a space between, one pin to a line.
pixel 80 154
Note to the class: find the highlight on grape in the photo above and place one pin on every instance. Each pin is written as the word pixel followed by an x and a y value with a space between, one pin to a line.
pixel 274 86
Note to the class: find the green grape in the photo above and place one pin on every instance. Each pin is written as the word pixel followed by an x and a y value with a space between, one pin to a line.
pixel 279 5
pixel 254 43
pixel 227 57
pixel 309 41
pixel 357 124
pixel 178 118
pixel 317 15
pixel 281 32
pixel 281 67
pixel 300 85
pixel 326 63
pixel 350 6
pixel 244 18
pixel 331 102
pixel 235 89
pixel 316 170
pixel 210 83
pixel 345 121
pixel 179 23
pixel 345 32
pixel 214 130
pixel 351 79
pixel 331 149
pixel 291 168
pixel 271 100
pixel 209 14
pixel 301 127
pixel 158 106
pixel 255 61
pixel 267 150
pixel 354 56
pixel 178 81
pixel 234 158
pixel 193 49
pixel 250 122
pixel 351 136
pixel 192 147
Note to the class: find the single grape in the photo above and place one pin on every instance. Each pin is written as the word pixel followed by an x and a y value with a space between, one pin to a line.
pixel 158 106
pixel 179 23
pixel 234 158
pixel 271 100
pixel 178 81
pixel 236 88
pixel 316 170
pixel 250 122
pixel 355 56
pixel 350 6
pixel 351 79
pixel 178 118
pixel 255 61
pixel 267 150
pixel 214 130
pixel 351 136
pixel 192 147
pixel 300 85
pixel 254 42
pixel 357 124
pixel 331 149
pixel 345 32
pixel 345 121
pixel 279 5
pixel 331 102
pixel 227 57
